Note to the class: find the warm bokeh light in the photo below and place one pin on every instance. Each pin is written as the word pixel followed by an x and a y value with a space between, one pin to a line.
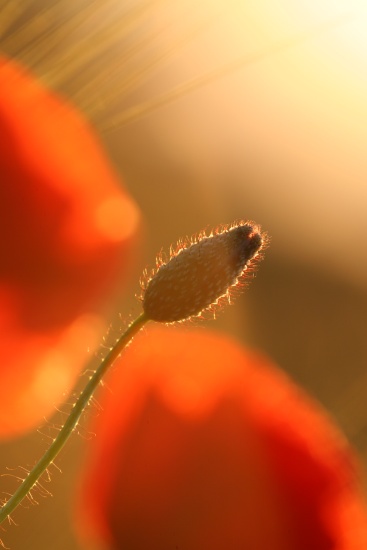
pixel 67 228
pixel 203 444
pixel 117 218
pixel 55 372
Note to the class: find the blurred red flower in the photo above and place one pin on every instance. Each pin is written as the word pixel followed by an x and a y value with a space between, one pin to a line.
pixel 205 445
pixel 66 230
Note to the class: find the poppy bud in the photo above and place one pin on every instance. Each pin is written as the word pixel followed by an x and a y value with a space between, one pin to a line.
pixel 200 273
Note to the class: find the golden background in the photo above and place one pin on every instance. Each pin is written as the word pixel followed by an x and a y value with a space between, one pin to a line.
pixel 213 111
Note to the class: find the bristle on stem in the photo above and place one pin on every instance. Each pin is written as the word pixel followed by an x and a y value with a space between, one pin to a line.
pixel 201 272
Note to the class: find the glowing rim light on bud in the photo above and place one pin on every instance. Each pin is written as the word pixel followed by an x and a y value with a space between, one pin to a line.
pixel 201 273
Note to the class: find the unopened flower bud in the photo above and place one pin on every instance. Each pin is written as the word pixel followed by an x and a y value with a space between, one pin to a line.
pixel 201 272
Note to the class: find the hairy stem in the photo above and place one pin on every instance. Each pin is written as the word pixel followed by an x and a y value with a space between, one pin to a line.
pixel 72 420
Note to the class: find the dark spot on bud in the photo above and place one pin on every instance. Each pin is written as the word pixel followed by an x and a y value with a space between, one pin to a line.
pixel 202 272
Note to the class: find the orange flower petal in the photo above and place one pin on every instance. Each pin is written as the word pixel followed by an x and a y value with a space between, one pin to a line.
pixel 66 232
pixel 203 444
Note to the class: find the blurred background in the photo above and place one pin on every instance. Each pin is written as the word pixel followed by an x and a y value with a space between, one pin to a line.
pixel 213 111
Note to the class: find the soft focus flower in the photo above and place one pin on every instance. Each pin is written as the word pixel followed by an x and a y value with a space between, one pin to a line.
pixel 66 230
pixel 202 444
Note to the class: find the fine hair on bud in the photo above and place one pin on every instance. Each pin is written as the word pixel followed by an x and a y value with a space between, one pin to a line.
pixel 201 272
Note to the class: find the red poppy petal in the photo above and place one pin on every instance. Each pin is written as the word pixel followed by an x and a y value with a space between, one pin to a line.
pixel 203 444
pixel 66 232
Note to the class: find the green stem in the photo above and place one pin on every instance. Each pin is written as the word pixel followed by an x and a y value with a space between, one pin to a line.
pixel 72 419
